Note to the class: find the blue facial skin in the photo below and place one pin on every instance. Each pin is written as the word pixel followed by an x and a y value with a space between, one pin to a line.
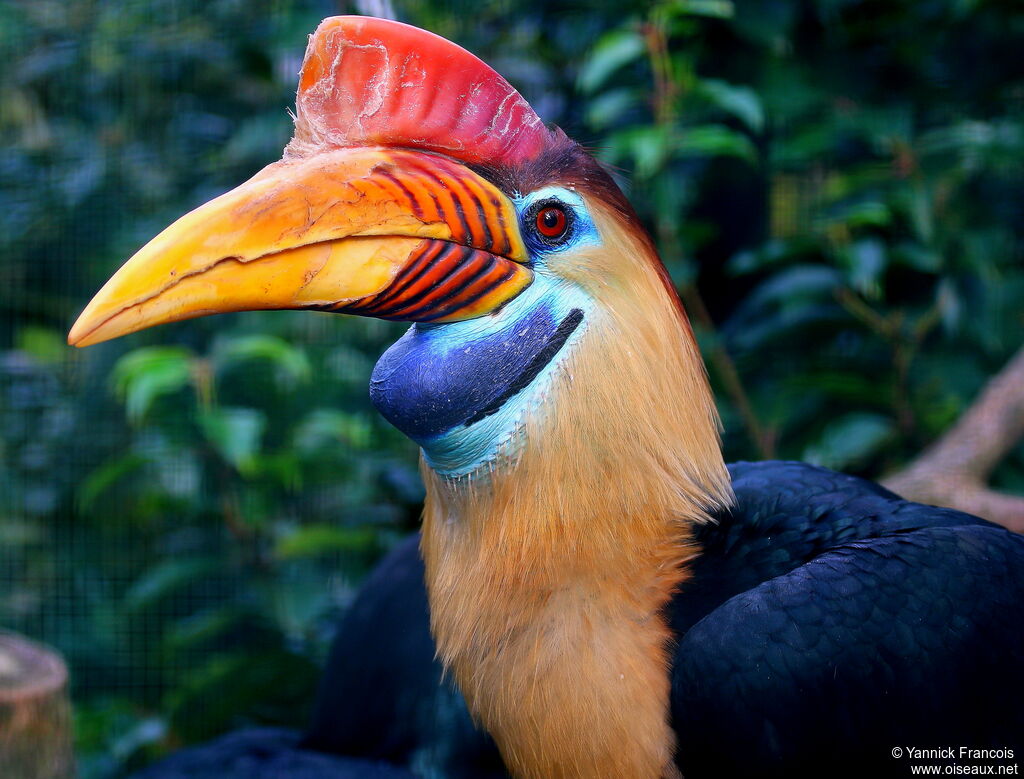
pixel 461 389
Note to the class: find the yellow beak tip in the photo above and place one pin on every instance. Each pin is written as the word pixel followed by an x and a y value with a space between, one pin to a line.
pixel 80 332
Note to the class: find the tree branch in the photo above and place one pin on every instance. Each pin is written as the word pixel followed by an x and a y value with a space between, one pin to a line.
pixel 954 470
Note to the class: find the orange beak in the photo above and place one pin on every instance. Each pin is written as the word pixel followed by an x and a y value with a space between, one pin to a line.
pixel 379 232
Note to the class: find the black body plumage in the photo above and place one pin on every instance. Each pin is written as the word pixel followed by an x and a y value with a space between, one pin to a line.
pixel 826 623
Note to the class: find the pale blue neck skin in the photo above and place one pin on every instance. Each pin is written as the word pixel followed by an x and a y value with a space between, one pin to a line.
pixel 464 449
pixel 460 389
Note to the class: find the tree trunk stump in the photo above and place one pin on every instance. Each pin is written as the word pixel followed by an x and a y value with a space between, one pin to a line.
pixel 35 713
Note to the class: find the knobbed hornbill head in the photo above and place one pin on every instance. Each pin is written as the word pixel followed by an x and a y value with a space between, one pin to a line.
pixel 420 186
pixel 550 376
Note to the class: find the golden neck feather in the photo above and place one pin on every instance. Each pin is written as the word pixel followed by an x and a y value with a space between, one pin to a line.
pixel 546 578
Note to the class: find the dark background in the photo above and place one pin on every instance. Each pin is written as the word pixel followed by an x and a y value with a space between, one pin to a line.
pixel 834 185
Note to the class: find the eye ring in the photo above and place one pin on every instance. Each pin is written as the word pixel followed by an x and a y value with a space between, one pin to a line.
pixel 550 223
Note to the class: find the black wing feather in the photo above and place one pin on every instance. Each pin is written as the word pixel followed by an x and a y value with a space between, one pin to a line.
pixel 875 623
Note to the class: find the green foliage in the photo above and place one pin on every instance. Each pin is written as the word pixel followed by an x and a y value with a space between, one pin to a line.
pixel 313 540
pixel 614 50
pixel 833 186
pixel 144 375
pixel 882 243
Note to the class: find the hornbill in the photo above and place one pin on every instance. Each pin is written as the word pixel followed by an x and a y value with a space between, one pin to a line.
pixel 609 597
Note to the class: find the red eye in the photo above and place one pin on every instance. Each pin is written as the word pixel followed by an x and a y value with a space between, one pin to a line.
pixel 551 221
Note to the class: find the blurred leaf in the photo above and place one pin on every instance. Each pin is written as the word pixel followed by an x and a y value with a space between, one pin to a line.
pixel 144 732
pixel 326 427
pixel 715 140
pixel 611 52
pixel 922 214
pixel 268 687
pixel 285 468
pixel 975 142
pixel 917 257
pixel 607 108
pixel 314 540
pixel 14 533
pixel 204 628
pixel 86 174
pixel 792 321
pixel 770 253
pixel 257 138
pixel 848 386
pixel 717 9
pixel 850 440
pixel 795 283
pixel 105 476
pixel 143 375
pixel 303 601
pixel 867 262
pixel 291 363
pixel 165 578
pixel 648 147
pixel 236 434
pixel 862 214
pixel 98 722
pixel 45 345
pixel 741 102
pixel 950 305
